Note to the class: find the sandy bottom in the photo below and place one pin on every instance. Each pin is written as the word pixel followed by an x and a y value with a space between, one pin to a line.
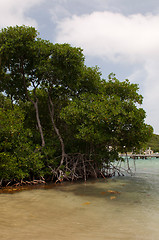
pixel 122 208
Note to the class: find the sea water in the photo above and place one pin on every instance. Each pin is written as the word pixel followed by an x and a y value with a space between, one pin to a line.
pixel 123 208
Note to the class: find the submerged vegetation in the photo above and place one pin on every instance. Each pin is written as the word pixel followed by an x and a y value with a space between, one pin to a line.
pixel 58 118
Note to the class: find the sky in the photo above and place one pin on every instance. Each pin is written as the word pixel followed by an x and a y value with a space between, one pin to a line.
pixel 119 36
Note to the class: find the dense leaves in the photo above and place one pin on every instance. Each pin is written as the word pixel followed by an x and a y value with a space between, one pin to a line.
pixel 153 143
pixel 17 157
pixel 109 118
pixel 58 118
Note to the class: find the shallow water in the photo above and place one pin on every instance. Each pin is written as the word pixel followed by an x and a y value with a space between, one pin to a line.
pixel 123 208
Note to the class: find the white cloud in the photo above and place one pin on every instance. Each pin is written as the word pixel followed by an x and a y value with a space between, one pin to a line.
pixel 58 11
pixel 12 12
pixel 112 35
pixel 128 40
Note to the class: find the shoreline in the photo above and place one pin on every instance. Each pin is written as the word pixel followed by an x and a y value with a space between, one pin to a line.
pixel 49 185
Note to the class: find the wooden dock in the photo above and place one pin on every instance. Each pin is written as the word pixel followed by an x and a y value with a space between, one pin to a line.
pixel 140 156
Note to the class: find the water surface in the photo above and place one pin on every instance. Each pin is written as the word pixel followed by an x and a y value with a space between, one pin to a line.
pixel 120 208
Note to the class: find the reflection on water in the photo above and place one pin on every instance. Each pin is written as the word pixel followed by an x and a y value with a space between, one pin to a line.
pixel 123 208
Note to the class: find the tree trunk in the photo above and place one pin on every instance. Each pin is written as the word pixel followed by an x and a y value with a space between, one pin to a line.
pixel 39 123
pixel 51 110
pixel 35 103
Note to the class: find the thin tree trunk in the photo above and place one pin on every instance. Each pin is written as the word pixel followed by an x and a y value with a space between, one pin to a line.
pixel 39 123
pixel 35 103
pixel 51 110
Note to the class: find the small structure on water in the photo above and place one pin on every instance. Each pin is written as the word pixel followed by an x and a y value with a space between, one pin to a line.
pixel 149 151
pixel 146 154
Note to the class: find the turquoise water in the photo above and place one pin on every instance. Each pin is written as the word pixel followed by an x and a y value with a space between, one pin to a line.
pixel 123 208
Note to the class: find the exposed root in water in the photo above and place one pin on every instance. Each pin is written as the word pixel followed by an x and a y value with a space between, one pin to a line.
pixel 22 182
pixel 80 166
pixel 34 182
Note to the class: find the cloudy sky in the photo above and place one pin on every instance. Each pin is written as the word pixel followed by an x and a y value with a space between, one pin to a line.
pixel 120 36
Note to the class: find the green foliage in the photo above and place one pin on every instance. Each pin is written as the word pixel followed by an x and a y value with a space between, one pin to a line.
pixel 51 94
pixel 62 71
pixel 17 159
pixel 22 54
pixel 109 118
pixel 16 54
pixel 153 143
